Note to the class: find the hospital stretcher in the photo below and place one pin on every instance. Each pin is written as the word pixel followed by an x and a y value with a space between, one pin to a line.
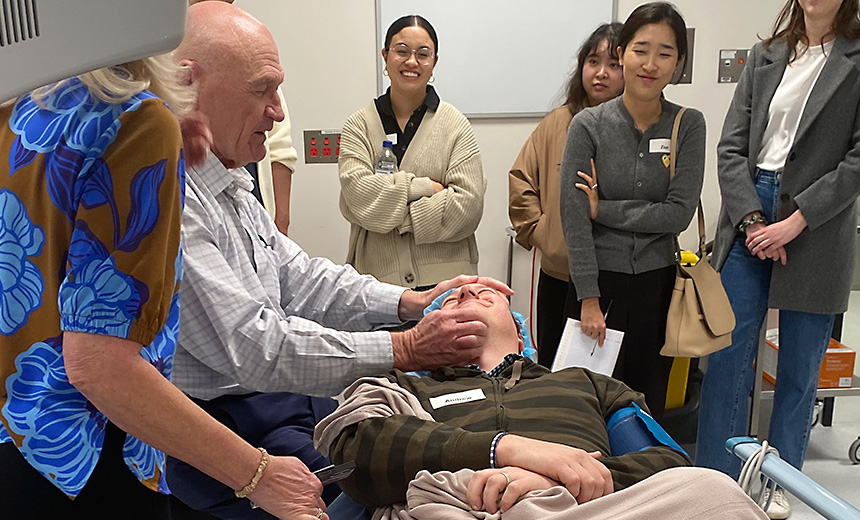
pixel 789 478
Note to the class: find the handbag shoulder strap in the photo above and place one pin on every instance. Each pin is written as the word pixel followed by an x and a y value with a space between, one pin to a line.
pixel 673 152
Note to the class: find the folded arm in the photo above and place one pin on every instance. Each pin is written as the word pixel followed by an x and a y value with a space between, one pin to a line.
pixel 673 214
pixel 524 209
pixel 378 202
pixel 575 216
pixel 453 213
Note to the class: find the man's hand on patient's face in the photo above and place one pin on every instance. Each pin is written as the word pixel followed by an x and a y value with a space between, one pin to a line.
pixel 580 472
pixel 445 337
pixel 413 303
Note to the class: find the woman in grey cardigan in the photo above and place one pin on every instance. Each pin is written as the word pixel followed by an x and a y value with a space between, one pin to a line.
pixel 789 171
pixel 621 249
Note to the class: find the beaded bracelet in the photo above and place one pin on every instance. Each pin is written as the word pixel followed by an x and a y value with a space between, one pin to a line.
pixel 247 490
pixel 493 446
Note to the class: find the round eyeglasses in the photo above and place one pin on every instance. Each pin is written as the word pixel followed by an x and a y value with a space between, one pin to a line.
pixel 401 52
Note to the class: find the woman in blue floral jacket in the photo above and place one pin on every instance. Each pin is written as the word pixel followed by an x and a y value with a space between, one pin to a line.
pixel 90 205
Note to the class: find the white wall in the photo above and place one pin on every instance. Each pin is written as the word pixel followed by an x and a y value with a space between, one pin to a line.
pixel 329 54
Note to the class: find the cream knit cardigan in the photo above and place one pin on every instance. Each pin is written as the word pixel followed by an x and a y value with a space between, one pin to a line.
pixel 401 232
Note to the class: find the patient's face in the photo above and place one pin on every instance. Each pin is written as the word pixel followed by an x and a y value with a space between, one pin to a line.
pixel 492 304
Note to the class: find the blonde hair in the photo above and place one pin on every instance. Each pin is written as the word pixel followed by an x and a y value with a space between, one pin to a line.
pixel 161 75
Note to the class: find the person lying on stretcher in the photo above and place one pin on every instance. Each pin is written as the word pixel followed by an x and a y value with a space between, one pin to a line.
pixel 521 427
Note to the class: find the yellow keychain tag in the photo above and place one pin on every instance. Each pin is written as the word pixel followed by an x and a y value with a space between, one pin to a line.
pixel 666 160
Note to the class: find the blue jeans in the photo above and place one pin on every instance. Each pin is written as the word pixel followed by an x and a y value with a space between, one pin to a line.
pixel 803 339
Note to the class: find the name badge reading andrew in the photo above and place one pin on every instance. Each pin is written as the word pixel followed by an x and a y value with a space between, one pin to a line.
pixel 659 145
pixel 460 397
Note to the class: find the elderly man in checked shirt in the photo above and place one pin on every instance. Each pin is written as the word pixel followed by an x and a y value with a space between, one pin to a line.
pixel 258 315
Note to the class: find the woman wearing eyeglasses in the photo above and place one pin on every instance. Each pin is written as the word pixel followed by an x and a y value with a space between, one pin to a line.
pixel 414 227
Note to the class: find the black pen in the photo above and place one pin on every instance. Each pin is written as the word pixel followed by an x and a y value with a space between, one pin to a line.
pixel 605 315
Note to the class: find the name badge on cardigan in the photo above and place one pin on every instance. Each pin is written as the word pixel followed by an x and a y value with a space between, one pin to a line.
pixel 457 398
pixel 392 138
pixel 659 145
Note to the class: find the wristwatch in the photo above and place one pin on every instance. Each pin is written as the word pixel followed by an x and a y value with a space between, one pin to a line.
pixel 750 221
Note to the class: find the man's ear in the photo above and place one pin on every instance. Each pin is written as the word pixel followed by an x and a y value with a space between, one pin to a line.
pixel 190 72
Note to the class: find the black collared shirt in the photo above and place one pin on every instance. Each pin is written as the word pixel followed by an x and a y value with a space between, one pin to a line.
pixel 389 120
pixel 509 360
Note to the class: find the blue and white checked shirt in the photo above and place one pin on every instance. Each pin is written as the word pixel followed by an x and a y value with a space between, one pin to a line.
pixel 257 314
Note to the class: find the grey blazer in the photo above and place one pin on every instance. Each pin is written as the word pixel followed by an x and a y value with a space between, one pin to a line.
pixel 821 176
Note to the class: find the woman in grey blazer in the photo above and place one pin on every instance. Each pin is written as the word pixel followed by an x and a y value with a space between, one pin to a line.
pixel 789 172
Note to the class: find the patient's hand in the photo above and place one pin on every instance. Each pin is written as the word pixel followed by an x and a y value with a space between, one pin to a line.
pixel 580 472
pixel 487 485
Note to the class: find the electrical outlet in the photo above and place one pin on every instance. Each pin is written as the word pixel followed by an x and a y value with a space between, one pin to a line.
pixel 732 62
pixel 321 146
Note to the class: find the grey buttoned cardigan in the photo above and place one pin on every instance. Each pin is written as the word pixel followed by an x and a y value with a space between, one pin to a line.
pixel 640 209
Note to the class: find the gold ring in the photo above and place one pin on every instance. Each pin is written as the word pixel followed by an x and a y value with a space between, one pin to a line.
pixel 319 512
pixel 506 478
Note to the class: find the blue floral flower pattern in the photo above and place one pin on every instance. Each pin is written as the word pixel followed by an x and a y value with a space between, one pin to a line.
pixel 85 122
pixel 142 458
pixel 63 432
pixel 98 298
pixel 20 156
pixel 55 427
pixel 20 280
pixel 144 215
pixel 4 435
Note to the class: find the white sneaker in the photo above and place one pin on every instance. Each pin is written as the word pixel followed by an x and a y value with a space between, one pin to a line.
pixel 779 507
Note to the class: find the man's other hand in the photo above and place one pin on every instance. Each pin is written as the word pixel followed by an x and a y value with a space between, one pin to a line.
pixel 445 337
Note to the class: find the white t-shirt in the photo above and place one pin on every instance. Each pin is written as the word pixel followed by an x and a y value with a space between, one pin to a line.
pixel 788 103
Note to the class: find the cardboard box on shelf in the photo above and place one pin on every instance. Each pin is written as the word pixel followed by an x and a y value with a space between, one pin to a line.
pixel 837 369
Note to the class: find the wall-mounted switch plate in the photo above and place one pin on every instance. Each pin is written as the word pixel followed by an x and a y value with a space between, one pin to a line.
pixel 321 146
pixel 732 62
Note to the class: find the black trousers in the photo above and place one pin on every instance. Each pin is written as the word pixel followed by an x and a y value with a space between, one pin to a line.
pixel 281 422
pixel 111 491
pixel 640 303
pixel 551 297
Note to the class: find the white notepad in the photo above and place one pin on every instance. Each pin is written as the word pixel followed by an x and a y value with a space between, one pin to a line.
pixel 575 350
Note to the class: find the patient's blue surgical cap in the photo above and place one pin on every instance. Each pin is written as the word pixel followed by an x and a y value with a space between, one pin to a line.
pixel 528 350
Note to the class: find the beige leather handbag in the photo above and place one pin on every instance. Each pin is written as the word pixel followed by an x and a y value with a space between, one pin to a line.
pixel 700 319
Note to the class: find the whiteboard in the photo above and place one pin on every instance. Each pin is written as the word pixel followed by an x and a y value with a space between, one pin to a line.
pixel 500 58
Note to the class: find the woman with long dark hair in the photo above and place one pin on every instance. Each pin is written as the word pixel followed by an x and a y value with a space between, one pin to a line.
pixel 535 178
pixel 789 171
pixel 620 223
